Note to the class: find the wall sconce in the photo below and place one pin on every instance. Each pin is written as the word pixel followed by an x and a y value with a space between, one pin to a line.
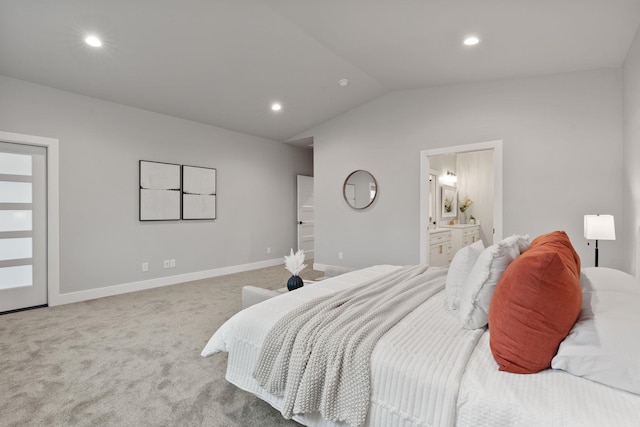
pixel 599 227
pixel 449 178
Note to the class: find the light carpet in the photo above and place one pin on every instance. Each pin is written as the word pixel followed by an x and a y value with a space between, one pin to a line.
pixel 130 360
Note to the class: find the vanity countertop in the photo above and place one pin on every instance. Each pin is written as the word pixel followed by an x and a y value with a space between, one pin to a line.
pixel 457 226
pixel 438 230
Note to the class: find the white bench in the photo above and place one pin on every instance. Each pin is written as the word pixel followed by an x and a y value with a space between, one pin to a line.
pixel 253 295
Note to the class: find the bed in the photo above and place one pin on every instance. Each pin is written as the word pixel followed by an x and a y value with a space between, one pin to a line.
pixel 427 370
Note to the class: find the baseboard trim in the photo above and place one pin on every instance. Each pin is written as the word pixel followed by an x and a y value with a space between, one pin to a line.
pixel 71 297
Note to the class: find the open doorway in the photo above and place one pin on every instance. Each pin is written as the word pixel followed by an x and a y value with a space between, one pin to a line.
pixel 443 225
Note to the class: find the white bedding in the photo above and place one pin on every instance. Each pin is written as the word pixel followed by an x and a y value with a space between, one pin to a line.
pixel 318 356
pixel 411 384
pixel 551 398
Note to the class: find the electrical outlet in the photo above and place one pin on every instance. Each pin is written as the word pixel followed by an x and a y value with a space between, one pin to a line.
pixel 340 255
pixel 145 267
pixel 268 251
pixel 167 263
pixel 172 263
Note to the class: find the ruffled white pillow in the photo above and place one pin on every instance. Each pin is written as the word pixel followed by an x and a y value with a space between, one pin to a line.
pixel 478 289
pixel 459 270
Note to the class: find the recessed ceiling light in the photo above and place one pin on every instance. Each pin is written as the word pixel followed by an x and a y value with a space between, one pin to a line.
pixel 343 82
pixel 276 106
pixel 93 41
pixel 471 41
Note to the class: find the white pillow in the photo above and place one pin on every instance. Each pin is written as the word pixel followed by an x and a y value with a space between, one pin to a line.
pixel 478 289
pixel 604 344
pixel 607 279
pixel 459 270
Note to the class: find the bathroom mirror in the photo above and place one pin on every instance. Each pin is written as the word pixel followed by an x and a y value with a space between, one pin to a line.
pixel 360 189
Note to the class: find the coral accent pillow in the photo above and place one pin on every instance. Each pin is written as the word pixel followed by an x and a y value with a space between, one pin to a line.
pixel 535 304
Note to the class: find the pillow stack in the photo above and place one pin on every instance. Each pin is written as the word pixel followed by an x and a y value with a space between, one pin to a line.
pixel 482 280
pixel 535 304
pixel 473 275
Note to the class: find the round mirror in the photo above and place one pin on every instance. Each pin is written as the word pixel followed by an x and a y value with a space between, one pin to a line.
pixel 360 189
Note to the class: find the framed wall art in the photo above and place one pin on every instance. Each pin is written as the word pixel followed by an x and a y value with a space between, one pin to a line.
pixel 198 192
pixel 160 185
pixel 449 202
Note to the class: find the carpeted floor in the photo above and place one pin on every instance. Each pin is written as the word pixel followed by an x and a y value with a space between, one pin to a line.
pixel 130 360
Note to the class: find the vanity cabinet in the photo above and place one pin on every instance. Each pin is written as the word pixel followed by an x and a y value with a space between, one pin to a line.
pixel 440 253
pixel 463 235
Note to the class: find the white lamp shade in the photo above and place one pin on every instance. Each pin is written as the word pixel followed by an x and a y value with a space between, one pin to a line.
pixel 599 227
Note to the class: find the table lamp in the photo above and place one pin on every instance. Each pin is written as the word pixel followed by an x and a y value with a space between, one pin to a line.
pixel 599 227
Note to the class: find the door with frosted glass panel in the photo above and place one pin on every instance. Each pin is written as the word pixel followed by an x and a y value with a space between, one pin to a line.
pixel 23 222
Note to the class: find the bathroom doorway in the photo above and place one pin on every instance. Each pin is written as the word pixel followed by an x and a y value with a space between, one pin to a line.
pixel 449 176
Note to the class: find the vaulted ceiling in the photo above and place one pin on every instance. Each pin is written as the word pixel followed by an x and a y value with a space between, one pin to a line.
pixel 223 62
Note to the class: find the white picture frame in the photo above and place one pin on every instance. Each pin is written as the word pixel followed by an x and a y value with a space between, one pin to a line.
pixel 449 201
pixel 159 192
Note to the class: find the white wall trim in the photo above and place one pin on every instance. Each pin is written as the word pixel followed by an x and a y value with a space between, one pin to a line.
pixel 108 291
pixel 53 205
pixel 496 146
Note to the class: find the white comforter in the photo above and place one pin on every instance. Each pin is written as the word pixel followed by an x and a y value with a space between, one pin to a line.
pixel 414 377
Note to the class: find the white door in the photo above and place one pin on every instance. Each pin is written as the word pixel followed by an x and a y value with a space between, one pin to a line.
pixel 306 215
pixel 23 226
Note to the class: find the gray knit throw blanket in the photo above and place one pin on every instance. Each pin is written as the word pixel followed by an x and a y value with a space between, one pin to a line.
pixel 318 357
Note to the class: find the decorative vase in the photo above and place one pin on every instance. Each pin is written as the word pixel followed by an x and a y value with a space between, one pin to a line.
pixel 463 217
pixel 294 282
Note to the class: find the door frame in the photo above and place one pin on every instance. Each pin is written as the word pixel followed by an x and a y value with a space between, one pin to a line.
pixel 298 225
pixel 496 146
pixel 53 207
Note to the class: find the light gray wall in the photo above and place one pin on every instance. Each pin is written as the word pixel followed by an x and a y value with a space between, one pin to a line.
pixel 632 150
pixel 562 159
pixel 102 243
